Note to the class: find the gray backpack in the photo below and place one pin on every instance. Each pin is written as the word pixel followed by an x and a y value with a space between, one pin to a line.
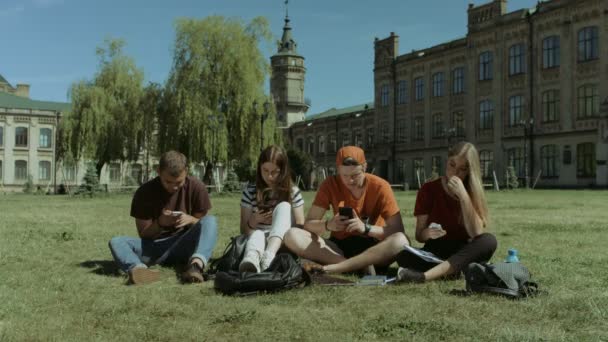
pixel 511 280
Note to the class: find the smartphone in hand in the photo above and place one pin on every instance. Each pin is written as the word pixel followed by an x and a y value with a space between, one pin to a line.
pixel 176 213
pixel 346 211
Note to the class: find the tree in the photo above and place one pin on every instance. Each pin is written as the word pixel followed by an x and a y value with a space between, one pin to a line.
pixel 218 73
pixel 149 106
pixel 301 165
pixel 105 118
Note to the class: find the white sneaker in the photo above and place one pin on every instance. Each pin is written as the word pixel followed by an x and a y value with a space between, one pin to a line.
pixel 250 263
pixel 267 259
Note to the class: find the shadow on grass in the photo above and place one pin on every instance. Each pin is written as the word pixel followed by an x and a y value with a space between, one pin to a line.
pixel 102 267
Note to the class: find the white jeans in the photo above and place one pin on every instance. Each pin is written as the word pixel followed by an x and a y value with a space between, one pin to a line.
pixel 281 222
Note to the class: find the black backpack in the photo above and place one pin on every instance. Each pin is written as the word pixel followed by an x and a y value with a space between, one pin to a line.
pixel 283 273
pixel 230 259
pixel 511 280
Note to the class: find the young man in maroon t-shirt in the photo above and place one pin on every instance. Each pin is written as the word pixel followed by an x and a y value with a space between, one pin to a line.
pixel 170 214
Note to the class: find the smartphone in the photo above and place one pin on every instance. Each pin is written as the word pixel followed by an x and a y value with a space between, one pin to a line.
pixel 434 225
pixel 176 213
pixel 346 211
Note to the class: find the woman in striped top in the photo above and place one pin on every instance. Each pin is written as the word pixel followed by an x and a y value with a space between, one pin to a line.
pixel 268 209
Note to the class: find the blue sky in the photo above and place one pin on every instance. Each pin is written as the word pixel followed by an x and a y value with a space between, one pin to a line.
pixel 51 43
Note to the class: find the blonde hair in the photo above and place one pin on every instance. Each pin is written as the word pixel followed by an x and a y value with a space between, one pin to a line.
pixel 472 181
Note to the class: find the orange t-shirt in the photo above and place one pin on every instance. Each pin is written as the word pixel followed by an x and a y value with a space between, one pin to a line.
pixel 376 204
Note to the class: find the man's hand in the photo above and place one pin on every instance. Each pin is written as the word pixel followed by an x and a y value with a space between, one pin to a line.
pixel 185 220
pixel 166 219
pixel 355 225
pixel 456 187
pixel 337 223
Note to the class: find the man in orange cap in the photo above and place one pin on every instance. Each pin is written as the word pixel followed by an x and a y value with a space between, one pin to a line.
pixel 366 227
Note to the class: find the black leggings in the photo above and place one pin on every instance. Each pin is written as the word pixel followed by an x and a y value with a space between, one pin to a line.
pixel 458 253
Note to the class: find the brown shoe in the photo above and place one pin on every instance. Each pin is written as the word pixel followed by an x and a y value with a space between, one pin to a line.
pixel 194 274
pixel 142 275
pixel 312 267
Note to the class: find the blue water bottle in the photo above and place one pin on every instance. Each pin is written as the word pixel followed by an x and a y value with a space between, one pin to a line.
pixel 512 255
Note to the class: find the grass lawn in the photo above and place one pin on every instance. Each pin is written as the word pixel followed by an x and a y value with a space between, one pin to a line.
pixel 58 282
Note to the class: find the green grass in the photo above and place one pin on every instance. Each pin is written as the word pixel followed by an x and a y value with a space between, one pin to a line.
pixel 57 281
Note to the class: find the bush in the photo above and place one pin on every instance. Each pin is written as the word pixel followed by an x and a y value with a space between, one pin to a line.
pixel 232 182
pixel 244 170
pixel 301 165
pixel 28 187
pixel 511 178
pixel 90 181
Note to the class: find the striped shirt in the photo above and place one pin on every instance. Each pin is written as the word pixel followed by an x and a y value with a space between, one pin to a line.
pixel 249 198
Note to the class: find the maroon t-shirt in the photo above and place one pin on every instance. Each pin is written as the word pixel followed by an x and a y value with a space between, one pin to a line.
pixel 151 198
pixel 432 200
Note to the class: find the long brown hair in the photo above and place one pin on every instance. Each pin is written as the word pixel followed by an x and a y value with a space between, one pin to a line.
pixel 472 181
pixel 282 189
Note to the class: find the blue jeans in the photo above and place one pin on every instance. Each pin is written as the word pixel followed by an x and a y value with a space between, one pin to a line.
pixel 196 242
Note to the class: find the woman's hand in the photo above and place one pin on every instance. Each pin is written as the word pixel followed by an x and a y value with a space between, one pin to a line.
pixel 432 233
pixel 260 217
pixel 456 187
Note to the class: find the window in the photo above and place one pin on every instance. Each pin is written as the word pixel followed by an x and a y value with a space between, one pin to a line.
pixel 548 160
pixel 437 126
pixel 384 95
pixel 45 137
pixel 418 129
pixel 486 115
pixel 458 81
pixel 517 57
pixel 516 107
pixel 486 163
pixel 137 173
pixel 44 170
pixel 115 172
pixel 1 136
pixel 485 66
pixel 516 159
pixel 588 101
pixel 197 171
pixel 333 145
pixel 20 170
pixel 384 132
pixel 551 52
pixel 458 123
pixel 345 138
pixel 438 80
pixel 321 147
pixel 585 160
pixel 69 173
pixel 310 145
pixel 401 130
pixel 402 89
pixel 370 137
pixel 21 137
pixel 588 44
pixel 358 138
pixel 419 84
pixel 550 105
pixel 400 171
pixel 436 164
pixel 419 169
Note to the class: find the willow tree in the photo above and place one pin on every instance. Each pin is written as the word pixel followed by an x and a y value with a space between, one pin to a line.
pixel 218 73
pixel 105 118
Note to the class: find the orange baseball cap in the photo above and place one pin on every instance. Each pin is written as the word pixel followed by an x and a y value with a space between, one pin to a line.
pixel 350 152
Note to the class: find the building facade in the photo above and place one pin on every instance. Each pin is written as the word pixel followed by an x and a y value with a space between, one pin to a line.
pixel 28 131
pixel 529 88
pixel 287 80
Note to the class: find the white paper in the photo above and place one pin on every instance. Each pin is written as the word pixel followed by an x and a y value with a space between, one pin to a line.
pixel 424 255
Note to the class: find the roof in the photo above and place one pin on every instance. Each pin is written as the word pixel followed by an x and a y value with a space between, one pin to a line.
pixel 340 111
pixel 3 80
pixel 17 102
